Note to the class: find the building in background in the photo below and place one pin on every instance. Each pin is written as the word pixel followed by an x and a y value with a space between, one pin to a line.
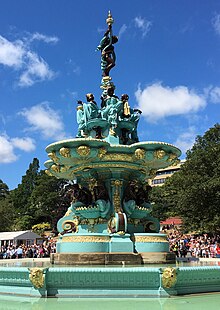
pixel 162 174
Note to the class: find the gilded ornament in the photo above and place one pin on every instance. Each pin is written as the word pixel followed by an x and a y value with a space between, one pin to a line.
pixel 159 154
pixel 109 165
pixel 112 132
pixel 71 225
pixel 83 150
pixel 53 156
pixel 65 152
pixel 149 239
pixel 117 183
pixel 169 277
pixel 48 173
pixel 172 157
pixel 118 157
pixel 101 153
pixel 116 197
pixel 64 168
pixel 55 168
pixel 140 153
pixel 68 212
pixel 121 233
pixel 86 239
pixel 36 277
pixel 109 20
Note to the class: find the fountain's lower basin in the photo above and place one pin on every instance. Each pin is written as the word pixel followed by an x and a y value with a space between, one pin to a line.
pixel 192 302
pixel 109 281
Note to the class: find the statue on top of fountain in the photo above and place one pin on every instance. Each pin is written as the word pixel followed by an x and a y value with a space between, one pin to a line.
pixel 115 117
pixel 115 121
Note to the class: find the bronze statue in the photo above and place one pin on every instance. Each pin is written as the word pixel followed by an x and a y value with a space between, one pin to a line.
pixel 106 47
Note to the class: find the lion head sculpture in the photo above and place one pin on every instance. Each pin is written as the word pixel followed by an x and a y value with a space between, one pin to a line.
pixel 169 277
pixel 36 277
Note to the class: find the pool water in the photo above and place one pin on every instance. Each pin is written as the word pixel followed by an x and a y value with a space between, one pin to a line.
pixel 192 302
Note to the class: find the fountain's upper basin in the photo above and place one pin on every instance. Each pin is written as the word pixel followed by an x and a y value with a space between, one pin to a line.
pixel 74 157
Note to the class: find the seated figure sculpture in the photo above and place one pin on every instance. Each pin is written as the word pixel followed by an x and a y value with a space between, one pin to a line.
pixel 112 108
pixel 115 114
pixel 80 120
pixel 90 108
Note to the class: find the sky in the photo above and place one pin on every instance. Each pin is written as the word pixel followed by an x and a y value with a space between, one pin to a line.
pixel 168 62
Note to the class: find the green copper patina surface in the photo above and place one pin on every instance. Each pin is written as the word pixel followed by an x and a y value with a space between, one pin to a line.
pixel 109 169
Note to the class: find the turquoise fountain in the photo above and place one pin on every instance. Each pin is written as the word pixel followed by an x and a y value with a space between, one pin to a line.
pixel 108 237
pixel 109 220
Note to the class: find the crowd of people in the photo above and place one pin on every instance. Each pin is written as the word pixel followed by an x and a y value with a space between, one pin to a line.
pixel 194 245
pixel 183 245
pixel 28 251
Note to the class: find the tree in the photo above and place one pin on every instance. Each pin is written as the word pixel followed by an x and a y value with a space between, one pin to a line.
pixel 159 205
pixel 194 191
pixel 21 196
pixel 6 208
pixel 47 203
pixel 4 190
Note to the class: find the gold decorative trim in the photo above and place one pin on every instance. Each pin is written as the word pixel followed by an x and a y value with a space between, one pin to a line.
pixel 106 165
pixel 149 239
pixel 159 154
pixel 48 173
pixel 83 150
pixel 65 152
pixel 117 184
pixel 37 277
pixel 118 157
pixel 86 239
pixel 55 168
pixel 53 156
pixel 140 153
pixel 169 277
pixel 102 152
pixel 71 225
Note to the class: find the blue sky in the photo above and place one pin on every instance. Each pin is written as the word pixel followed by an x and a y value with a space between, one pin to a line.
pixel 168 62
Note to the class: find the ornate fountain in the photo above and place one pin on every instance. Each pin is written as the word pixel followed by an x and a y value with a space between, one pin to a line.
pixel 109 220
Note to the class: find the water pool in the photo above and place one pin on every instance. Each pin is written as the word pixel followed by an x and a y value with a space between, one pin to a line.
pixel 192 302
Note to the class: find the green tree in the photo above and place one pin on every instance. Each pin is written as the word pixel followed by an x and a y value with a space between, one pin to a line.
pixel 21 197
pixel 6 208
pixel 4 190
pixel 47 204
pixel 194 191
pixel 159 205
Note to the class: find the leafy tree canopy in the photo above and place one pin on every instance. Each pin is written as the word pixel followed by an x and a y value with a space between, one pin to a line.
pixel 194 191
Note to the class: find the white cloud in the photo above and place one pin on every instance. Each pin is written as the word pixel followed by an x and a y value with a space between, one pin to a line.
pixel 143 24
pixel 122 30
pixel 11 53
pixel 26 144
pixel 213 94
pixel 36 70
pixel 216 23
pixel 44 119
pixel 8 146
pixel 157 101
pixel 41 37
pixel 186 140
pixel 7 154
pixel 18 55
